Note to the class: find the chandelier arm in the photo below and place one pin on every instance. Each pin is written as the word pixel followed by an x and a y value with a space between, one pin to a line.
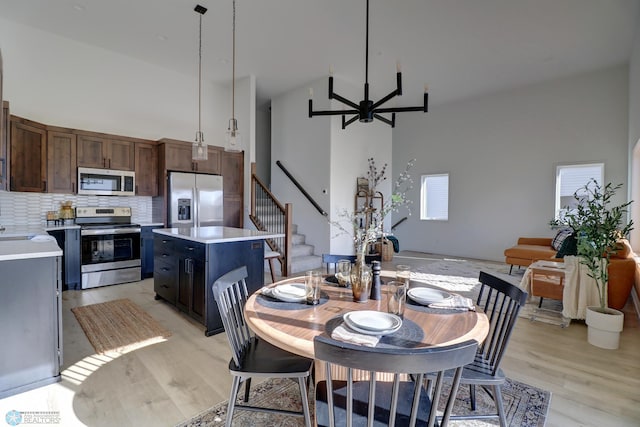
pixel 333 112
pixel 391 122
pixel 348 122
pixel 385 99
pixel 345 101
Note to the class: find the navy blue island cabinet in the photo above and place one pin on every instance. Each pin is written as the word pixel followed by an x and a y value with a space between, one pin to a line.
pixel 187 261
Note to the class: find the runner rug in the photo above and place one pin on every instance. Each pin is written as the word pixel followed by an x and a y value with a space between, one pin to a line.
pixel 525 406
pixel 118 326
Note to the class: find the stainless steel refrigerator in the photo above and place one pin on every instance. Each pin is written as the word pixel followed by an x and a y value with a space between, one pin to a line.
pixel 195 200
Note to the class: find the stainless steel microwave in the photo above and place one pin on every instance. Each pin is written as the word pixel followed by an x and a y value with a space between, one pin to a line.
pixel 106 182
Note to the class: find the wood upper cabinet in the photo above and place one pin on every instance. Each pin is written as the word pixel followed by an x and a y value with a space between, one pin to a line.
pixel 178 157
pixel 233 182
pixel 61 162
pixel 100 151
pixel 146 160
pixel 212 164
pixel 28 156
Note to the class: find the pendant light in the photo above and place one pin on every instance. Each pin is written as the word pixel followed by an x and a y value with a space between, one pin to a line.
pixel 367 110
pixel 233 139
pixel 199 148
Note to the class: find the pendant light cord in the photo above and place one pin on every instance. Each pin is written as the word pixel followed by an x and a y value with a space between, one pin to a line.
pixel 366 58
pixel 233 67
pixel 200 81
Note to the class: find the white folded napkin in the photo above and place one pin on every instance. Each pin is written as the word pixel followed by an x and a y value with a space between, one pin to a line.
pixel 342 333
pixel 456 302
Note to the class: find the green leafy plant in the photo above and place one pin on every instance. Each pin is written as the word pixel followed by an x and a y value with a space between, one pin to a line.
pixel 598 227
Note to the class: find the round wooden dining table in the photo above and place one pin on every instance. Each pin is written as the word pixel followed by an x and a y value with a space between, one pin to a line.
pixel 292 326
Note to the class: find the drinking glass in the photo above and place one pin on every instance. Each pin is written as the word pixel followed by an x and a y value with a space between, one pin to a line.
pixel 312 286
pixel 397 292
pixel 403 274
pixel 343 273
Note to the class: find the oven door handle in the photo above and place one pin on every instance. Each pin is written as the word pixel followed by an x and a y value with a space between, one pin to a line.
pixel 109 231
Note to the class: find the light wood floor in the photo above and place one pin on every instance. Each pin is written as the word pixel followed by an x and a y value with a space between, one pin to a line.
pixel 167 383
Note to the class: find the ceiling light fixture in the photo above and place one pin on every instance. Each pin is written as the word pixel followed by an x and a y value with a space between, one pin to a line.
pixel 233 139
pixel 367 110
pixel 199 148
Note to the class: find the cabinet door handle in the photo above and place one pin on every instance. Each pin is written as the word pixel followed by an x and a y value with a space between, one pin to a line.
pixel 104 162
pixel 190 248
pixel 44 185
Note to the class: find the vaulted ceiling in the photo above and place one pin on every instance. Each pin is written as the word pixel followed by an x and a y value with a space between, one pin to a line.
pixel 461 48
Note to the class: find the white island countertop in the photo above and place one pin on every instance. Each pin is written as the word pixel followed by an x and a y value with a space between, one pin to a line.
pixel 216 234
pixel 40 246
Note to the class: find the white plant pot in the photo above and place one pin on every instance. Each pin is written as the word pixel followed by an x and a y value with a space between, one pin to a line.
pixel 604 328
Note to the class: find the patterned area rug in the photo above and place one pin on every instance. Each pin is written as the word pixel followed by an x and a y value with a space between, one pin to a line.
pixel 525 406
pixel 118 326
pixel 461 276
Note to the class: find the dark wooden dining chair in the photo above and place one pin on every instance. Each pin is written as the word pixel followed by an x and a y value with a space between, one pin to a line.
pixel 400 399
pixel 253 357
pixel 501 302
pixel 331 260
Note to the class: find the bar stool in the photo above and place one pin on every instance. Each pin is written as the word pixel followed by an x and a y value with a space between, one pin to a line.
pixel 270 256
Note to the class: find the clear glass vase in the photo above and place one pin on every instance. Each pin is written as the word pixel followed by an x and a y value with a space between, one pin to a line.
pixel 361 280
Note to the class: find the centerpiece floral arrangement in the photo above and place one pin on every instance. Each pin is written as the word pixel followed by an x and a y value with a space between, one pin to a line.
pixel 365 225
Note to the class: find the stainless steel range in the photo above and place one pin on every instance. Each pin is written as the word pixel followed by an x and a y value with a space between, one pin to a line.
pixel 110 246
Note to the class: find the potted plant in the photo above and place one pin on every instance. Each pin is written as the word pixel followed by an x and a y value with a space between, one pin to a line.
pixel 598 227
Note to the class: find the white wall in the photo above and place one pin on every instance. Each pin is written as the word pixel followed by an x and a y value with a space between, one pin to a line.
pixel 322 156
pixel 302 144
pixel 634 136
pixel 501 152
pixel 57 81
pixel 350 149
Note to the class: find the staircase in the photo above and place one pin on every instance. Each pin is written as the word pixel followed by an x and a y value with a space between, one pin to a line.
pixel 268 214
pixel 302 255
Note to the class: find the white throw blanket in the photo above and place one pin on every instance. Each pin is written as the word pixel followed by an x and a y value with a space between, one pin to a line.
pixel 579 290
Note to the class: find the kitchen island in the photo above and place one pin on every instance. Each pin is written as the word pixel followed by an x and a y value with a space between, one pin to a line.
pixel 30 312
pixel 188 260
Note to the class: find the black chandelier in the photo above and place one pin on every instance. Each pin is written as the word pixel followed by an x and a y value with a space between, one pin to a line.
pixel 367 110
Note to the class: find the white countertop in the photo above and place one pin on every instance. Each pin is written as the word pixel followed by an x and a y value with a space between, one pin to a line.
pixel 42 246
pixel 216 234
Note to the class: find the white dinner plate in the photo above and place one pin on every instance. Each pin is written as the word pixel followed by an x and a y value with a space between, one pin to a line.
pixel 428 296
pixel 376 322
pixel 290 292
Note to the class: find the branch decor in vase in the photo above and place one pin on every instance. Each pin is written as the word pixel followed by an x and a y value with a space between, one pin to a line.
pixel 365 224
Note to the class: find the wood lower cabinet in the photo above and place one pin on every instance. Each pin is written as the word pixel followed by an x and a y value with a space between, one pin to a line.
pixel 191 278
pixel 61 162
pixel 28 156
pixel 184 271
pixel 146 250
pixel 146 159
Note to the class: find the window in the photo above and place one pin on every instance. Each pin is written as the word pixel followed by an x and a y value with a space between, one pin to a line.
pixel 569 179
pixel 434 197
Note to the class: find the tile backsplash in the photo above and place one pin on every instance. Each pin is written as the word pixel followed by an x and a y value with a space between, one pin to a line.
pixel 30 209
